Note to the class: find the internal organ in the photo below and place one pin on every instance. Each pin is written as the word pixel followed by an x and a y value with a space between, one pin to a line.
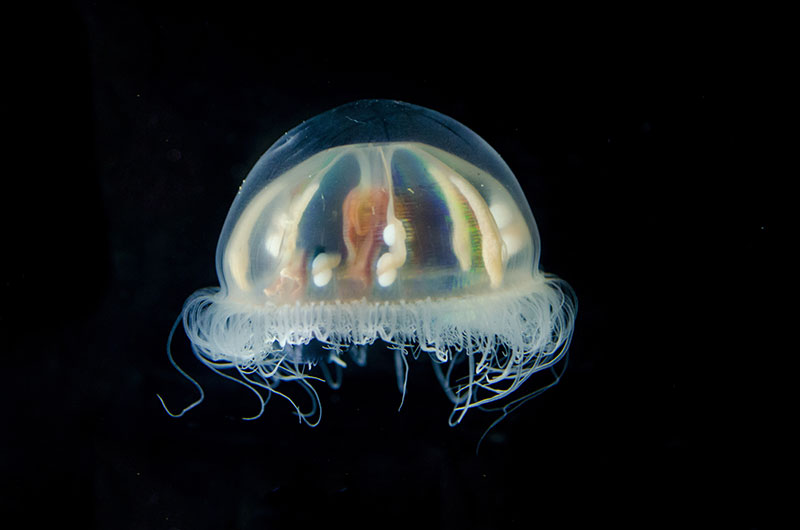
pixel 364 220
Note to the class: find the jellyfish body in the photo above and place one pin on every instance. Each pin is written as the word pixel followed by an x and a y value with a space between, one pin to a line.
pixel 381 221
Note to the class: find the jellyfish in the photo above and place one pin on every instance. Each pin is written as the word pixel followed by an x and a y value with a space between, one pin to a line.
pixel 380 222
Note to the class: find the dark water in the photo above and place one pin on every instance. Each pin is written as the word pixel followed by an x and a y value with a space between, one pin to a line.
pixel 132 128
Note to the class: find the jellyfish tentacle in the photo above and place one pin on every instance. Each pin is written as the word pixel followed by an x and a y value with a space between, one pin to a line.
pixel 182 372
pixel 401 369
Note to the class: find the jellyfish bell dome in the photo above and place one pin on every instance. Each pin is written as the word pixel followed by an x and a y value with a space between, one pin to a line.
pixel 382 220
pixel 377 199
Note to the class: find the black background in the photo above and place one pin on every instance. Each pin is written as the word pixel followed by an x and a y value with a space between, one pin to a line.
pixel 130 128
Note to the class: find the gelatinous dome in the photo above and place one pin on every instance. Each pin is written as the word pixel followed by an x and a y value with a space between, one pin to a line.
pixel 377 200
